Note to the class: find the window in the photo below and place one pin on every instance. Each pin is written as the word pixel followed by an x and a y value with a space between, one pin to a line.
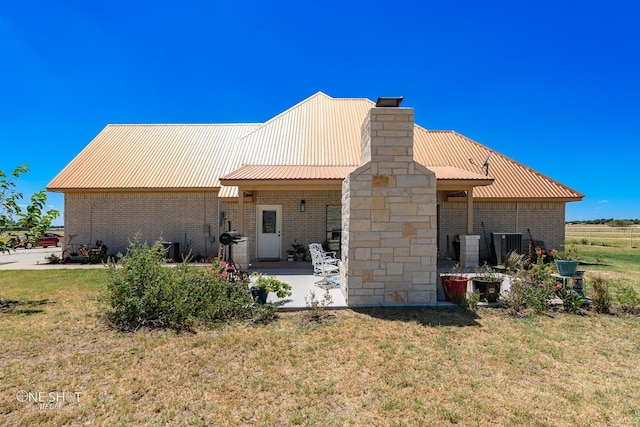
pixel 334 226
pixel 268 222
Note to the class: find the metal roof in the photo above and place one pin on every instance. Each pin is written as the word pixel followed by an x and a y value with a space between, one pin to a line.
pixel 153 157
pixel 512 180
pixel 270 172
pixel 252 172
pixel 449 173
pixel 318 132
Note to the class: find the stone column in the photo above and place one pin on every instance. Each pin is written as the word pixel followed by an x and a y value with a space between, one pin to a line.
pixel 240 253
pixel 469 251
pixel 389 218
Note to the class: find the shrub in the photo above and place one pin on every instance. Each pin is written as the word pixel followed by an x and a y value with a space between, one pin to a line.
pixel 318 306
pixel 466 302
pixel 143 292
pixel 601 297
pixel 628 298
pixel 514 262
pixel 532 288
pixel 571 301
pixel 52 259
pixel 515 300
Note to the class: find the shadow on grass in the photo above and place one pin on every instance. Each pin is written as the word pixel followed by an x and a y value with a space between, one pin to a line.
pixel 423 316
pixel 597 263
pixel 22 307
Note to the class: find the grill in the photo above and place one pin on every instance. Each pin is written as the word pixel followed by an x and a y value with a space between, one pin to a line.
pixel 230 237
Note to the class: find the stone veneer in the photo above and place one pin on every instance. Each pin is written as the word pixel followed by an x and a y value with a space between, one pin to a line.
pixel 389 218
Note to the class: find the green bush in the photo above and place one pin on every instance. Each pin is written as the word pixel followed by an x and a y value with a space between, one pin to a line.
pixel 571 301
pixel 142 291
pixel 531 288
pixel 628 298
pixel 601 297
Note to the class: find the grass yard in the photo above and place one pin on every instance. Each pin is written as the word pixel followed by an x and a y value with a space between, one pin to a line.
pixel 365 367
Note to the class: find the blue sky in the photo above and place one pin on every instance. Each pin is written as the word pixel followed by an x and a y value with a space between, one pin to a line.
pixel 552 84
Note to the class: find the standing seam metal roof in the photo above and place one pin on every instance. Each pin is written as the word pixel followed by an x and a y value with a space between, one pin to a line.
pixel 153 157
pixel 319 131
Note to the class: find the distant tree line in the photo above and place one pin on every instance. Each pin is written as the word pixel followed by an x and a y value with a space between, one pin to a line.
pixel 608 221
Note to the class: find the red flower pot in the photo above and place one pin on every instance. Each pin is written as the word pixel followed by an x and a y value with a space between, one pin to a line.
pixel 454 286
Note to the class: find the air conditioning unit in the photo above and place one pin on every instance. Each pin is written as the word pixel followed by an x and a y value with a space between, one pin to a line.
pixel 502 244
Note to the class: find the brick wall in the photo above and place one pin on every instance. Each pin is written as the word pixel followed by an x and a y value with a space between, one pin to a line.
pixel 115 217
pixel 544 219
pixel 297 227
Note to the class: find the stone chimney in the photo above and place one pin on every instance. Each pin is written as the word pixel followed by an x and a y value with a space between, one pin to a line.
pixel 389 218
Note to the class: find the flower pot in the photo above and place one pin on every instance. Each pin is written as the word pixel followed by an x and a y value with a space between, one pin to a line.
pixel 259 295
pixel 299 257
pixel 488 289
pixel 290 257
pixel 567 267
pixel 454 286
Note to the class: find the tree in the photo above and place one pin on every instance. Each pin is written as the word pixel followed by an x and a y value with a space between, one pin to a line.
pixel 11 215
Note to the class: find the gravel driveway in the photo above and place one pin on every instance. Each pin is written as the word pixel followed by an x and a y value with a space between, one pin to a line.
pixel 34 259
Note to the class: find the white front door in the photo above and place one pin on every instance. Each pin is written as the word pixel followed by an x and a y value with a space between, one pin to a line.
pixel 269 231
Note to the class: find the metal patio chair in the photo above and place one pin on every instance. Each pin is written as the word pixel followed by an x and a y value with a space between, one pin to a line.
pixel 325 264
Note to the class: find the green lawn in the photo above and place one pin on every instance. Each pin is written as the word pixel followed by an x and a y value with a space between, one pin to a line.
pixel 359 367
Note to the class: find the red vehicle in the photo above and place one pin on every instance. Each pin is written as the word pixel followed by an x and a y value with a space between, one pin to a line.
pixel 27 242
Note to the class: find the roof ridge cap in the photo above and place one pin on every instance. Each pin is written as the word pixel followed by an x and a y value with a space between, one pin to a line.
pixel 282 113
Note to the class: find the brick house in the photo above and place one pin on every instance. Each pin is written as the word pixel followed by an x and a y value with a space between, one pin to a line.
pixel 393 196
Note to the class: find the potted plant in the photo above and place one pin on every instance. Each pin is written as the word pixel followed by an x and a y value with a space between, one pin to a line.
pixel 566 260
pixel 299 251
pixel 487 282
pixel 455 283
pixel 261 285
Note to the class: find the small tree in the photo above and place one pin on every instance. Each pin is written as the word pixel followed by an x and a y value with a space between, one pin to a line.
pixel 11 215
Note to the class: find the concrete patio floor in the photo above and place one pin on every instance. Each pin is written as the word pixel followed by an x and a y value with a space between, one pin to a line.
pixel 298 274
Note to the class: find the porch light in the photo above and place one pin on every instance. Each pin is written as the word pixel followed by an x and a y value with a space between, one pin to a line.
pixel 389 101
pixel 302 205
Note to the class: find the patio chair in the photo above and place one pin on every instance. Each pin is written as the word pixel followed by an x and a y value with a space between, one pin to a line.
pixel 322 260
pixel 319 248
pixel 324 264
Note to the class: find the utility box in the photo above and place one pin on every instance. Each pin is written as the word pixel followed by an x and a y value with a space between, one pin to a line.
pixel 502 244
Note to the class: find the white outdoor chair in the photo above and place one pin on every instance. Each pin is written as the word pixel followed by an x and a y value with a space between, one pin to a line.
pixel 325 264
pixel 323 261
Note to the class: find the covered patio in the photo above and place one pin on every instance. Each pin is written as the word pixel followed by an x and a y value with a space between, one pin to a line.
pixel 299 274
